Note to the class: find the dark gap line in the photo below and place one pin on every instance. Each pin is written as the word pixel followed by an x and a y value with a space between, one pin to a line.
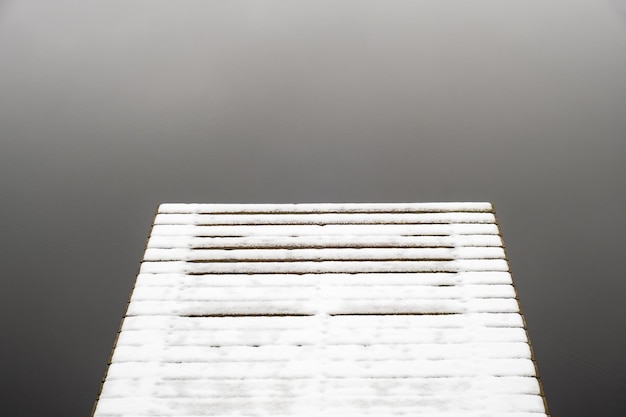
pixel 351 284
pixel 339 211
pixel 230 345
pixel 219 236
pixel 261 261
pixel 432 234
pixel 242 378
pixel 346 246
pixel 444 271
pixel 249 315
pixel 303 223
pixel 414 313
pixel 329 246
pixel 254 260
pixel 313 285
pixel 444 235
pixel 416 345
pixel 335 359
pixel 328 377
pixel 326 235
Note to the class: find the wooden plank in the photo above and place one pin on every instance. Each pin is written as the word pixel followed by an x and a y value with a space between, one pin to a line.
pixel 345 369
pixel 322 267
pixel 359 353
pixel 299 404
pixel 337 241
pixel 337 306
pixel 354 322
pixel 296 322
pixel 426 321
pixel 370 387
pixel 328 230
pixel 324 207
pixel 331 292
pixel 323 218
pixel 421 278
pixel 220 322
pixel 371 254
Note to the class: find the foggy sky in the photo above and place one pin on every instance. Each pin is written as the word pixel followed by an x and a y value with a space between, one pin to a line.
pixel 108 108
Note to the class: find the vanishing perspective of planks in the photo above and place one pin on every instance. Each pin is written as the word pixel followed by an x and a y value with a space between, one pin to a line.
pixel 323 310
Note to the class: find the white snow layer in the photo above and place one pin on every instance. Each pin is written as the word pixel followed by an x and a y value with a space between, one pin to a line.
pixel 324 208
pixel 323 309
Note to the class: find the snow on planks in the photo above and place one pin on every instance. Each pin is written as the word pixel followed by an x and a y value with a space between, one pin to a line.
pixel 323 309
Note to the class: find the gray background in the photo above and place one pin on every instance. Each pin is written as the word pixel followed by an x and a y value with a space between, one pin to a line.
pixel 109 107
